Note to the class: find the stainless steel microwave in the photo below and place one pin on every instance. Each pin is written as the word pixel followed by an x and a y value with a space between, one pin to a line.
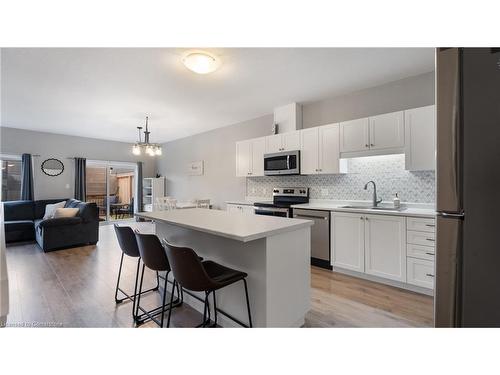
pixel 282 163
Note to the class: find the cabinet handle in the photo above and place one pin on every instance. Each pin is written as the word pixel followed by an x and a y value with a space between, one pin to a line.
pixel 429 274
pixel 371 144
pixel 361 218
pixel 430 239
pixel 430 225
pixel 430 254
pixel 367 145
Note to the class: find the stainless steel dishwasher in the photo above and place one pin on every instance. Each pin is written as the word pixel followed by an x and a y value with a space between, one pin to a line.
pixel 320 235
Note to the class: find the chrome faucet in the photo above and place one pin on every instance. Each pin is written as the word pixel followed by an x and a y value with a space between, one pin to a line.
pixel 375 201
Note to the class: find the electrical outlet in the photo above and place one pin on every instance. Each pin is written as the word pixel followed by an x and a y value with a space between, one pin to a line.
pixel 324 192
pixel 253 191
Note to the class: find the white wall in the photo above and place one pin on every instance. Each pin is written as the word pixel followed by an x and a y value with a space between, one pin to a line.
pixel 62 147
pixel 217 147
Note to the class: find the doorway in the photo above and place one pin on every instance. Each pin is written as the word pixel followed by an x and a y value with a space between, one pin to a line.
pixel 111 185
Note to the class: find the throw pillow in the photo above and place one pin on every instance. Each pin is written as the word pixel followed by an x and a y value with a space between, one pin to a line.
pixel 66 212
pixel 50 209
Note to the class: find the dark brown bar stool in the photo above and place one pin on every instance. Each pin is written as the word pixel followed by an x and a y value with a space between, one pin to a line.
pixel 128 245
pixel 154 257
pixel 194 275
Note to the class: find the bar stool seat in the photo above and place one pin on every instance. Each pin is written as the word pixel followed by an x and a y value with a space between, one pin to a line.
pixel 222 275
pixel 203 276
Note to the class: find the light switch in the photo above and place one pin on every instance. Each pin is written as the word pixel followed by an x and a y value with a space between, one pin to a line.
pixel 67 186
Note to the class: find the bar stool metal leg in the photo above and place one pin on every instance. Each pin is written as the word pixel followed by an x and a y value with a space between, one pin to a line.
pixel 248 304
pixel 215 310
pixel 126 295
pixel 171 300
pixel 150 315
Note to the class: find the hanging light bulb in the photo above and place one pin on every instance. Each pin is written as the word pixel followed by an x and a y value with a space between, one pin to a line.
pixel 158 150
pixel 136 150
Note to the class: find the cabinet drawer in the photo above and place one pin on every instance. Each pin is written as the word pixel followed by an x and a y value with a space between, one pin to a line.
pixel 421 225
pixel 420 238
pixel 421 252
pixel 420 272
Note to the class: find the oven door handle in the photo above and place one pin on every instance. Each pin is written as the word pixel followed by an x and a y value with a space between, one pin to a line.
pixel 270 209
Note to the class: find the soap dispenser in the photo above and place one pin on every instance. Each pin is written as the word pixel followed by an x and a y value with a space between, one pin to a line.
pixel 397 201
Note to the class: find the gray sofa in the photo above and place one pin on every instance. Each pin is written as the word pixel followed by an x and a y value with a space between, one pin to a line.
pixel 24 222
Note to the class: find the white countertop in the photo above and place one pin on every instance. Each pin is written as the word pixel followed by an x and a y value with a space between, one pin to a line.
pixel 412 209
pixel 226 224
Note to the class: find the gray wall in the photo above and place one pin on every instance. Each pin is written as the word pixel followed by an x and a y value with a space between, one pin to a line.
pixel 47 145
pixel 217 148
pixel 407 93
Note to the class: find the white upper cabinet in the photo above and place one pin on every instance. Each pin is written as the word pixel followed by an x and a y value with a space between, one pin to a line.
pixel 374 135
pixel 243 158
pixel 348 248
pixel 329 150
pixel 385 246
pixel 320 150
pixel 309 153
pixel 250 157
pixel 274 143
pixel 291 141
pixel 258 151
pixel 354 135
pixel 387 131
pixel 420 132
pixel 283 142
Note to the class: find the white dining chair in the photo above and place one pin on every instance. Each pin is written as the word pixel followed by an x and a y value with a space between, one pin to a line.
pixel 165 203
pixel 203 203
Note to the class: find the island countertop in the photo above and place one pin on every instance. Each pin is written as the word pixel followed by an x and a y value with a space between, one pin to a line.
pixel 235 226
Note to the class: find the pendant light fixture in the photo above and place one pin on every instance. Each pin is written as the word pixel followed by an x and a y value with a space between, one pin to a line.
pixel 151 149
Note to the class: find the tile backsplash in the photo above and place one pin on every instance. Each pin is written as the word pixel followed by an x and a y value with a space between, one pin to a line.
pixel 388 172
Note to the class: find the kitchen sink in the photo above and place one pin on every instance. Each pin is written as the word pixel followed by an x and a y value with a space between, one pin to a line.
pixel 379 208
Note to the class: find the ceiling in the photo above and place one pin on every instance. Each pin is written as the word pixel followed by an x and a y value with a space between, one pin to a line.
pixel 106 92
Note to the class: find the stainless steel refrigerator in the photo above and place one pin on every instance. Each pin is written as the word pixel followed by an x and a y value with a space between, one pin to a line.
pixel 467 290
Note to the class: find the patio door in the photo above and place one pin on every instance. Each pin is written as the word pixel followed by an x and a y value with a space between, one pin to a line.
pixel 111 185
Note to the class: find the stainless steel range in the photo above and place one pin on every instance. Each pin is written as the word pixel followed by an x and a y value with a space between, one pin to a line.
pixel 283 198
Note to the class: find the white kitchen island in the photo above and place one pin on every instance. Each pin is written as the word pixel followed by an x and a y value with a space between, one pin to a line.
pixel 274 252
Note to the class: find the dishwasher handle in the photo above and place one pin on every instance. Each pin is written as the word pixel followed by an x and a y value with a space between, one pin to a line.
pixel 311 216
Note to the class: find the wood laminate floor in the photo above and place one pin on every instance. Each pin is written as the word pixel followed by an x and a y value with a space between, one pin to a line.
pixel 75 288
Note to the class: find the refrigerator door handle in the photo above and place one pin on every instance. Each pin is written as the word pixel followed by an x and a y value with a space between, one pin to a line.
pixel 451 215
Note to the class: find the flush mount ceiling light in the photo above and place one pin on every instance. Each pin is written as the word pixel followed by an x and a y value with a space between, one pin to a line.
pixel 201 62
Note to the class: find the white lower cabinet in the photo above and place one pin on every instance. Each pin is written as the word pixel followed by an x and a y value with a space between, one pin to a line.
pixel 420 272
pixel 373 244
pixel 385 246
pixel 420 251
pixel 348 247
pixel 240 208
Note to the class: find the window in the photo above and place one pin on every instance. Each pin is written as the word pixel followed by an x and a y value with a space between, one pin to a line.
pixel 11 179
